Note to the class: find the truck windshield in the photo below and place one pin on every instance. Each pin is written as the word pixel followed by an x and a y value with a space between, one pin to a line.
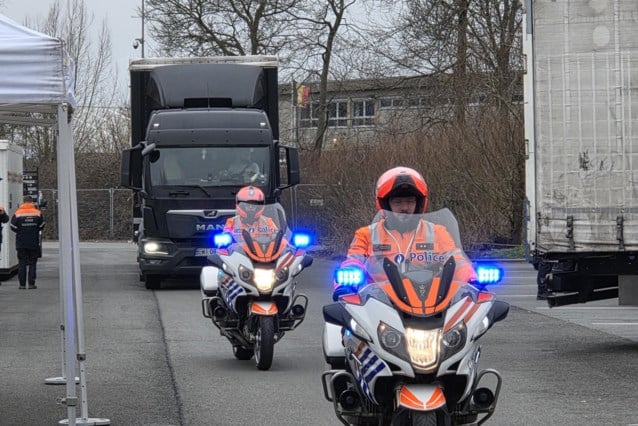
pixel 209 166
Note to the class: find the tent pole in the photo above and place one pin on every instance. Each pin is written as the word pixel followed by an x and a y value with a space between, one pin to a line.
pixel 69 238
pixel 66 265
pixel 77 280
pixel 61 380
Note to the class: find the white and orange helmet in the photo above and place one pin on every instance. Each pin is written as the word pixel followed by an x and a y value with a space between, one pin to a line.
pixel 401 182
pixel 250 202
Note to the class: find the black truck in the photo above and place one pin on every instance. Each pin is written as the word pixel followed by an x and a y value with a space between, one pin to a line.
pixel 202 128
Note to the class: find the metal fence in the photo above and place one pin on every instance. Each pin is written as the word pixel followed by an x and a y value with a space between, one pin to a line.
pixel 107 214
pixel 103 214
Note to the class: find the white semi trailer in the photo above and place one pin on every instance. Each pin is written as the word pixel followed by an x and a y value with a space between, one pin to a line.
pixel 581 130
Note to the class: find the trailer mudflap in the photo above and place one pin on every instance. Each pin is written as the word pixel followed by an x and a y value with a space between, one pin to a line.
pixel 561 299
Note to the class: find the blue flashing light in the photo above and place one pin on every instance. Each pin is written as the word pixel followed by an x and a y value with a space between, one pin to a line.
pixel 301 240
pixel 489 274
pixel 223 240
pixel 349 276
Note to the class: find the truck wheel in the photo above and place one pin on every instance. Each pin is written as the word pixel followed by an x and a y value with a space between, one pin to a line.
pixel 265 343
pixel 152 282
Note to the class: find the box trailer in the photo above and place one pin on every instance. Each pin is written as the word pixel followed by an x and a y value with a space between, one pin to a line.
pixel 581 130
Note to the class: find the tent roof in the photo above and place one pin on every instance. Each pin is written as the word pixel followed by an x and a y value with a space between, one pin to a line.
pixel 35 71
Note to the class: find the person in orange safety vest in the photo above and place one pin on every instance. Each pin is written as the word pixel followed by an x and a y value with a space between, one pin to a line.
pixel 402 194
pixel 250 202
pixel 27 222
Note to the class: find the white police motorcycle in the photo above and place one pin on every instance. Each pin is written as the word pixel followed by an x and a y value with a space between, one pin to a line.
pixel 250 291
pixel 404 350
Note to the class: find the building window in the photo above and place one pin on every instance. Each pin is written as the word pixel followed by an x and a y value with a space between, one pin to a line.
pixel 363 112
pixel 308 115
pixel 389 103
pixel 338 114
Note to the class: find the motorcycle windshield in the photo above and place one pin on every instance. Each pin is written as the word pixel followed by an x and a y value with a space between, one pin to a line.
pixel 413 262
pixel 260 231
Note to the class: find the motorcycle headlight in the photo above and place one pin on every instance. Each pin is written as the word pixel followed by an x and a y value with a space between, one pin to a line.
pixel 244 273
pixel 423 346
pixel 392 340
pixel 281 275
pixel 454 340
pixel 264 279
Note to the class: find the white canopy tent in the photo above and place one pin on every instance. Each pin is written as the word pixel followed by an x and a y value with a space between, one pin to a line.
pixel 36 89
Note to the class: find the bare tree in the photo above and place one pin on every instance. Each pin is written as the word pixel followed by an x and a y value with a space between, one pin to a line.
pixel 220 27
pixel 472 44
pixel 319 26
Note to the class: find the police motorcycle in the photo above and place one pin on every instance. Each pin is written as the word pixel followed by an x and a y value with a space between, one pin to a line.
pixel 249 292
pixel 404 350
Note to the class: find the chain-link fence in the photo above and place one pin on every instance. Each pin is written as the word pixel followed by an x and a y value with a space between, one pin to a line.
pixel 107 214
pixel 103 214
pixel 330 211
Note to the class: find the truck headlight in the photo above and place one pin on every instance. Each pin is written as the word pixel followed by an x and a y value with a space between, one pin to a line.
pixel 264 279
pixel 153 247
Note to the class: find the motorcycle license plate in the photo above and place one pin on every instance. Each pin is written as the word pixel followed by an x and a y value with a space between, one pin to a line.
pixel 204 251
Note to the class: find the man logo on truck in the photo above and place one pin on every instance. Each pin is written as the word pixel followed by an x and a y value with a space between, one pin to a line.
pixel 209 227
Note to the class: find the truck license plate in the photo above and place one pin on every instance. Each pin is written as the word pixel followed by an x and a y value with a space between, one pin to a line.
pixel 204 251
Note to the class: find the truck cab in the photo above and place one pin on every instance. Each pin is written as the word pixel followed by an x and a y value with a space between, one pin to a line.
pixel 200 131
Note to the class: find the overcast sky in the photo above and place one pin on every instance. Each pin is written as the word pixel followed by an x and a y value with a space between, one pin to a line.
pixel 119 15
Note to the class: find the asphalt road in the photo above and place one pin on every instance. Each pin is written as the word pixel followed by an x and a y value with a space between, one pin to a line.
pixel 152 359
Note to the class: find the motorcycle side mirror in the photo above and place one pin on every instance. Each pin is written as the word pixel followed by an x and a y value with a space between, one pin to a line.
pixel 335 314
pixel 499 311
pixel 306 261
pixel 215 260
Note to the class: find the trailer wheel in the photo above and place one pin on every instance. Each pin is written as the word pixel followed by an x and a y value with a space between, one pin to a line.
pixel 152 282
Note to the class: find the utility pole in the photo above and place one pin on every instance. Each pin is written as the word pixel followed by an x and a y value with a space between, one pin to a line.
pixel 140 41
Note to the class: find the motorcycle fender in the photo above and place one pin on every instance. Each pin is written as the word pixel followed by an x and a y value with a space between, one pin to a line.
pixel 421 397
pixel 208 279
pixel 263 308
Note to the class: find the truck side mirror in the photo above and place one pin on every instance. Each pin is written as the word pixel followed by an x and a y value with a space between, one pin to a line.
pixel 131 168
pixel 292 158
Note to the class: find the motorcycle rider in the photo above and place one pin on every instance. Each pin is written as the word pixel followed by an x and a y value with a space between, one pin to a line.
pixel 402 195
pixel 249 204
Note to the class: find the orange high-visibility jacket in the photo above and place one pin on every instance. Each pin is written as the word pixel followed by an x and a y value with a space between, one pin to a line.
pixel 27 222
pixel 428 242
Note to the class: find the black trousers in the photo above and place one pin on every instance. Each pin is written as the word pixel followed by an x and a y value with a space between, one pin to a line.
pixel 27 259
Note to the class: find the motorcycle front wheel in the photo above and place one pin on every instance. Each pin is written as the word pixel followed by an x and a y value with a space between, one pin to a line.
pixel 421 418
pixel 265 342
